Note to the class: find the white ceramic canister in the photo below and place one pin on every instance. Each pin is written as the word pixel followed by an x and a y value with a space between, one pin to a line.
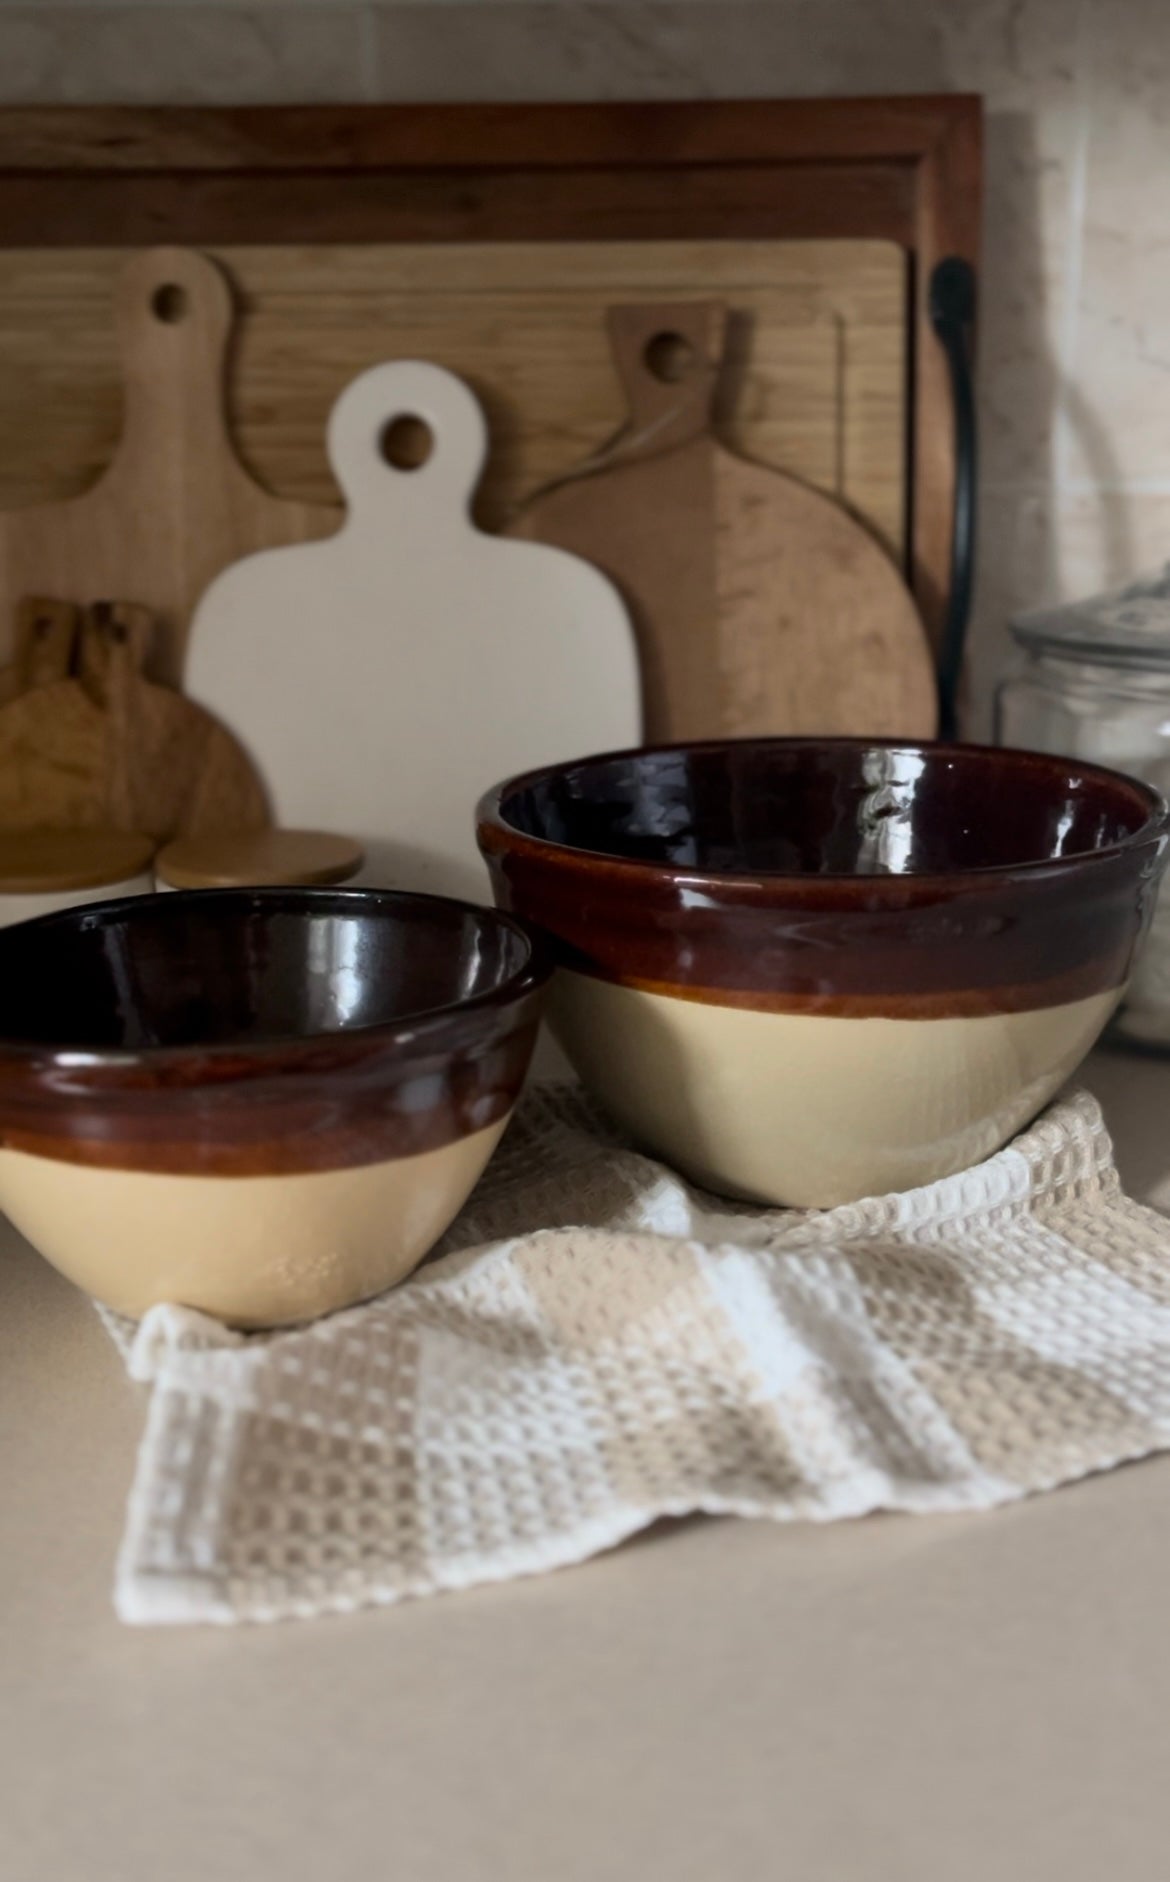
pixel 252 859
pixel 42 871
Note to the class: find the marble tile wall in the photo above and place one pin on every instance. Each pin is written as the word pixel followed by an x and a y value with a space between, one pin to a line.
pixel 1075 338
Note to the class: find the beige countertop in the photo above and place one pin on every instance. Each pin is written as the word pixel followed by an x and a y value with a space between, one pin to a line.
pixel 893 1700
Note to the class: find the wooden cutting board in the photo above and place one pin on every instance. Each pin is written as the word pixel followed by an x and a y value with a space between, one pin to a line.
pixel 44 646
pixel 760 606
pixel 108 748
pixel 385 678
pixel 176 505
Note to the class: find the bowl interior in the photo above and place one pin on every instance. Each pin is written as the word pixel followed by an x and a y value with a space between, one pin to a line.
pixel 826 808
pixel 246 966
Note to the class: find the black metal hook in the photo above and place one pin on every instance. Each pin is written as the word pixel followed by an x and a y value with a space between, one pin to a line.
pixel 952 315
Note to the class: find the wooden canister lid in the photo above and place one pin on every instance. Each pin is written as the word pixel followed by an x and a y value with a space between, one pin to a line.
pixel 252 858
pixel 51 862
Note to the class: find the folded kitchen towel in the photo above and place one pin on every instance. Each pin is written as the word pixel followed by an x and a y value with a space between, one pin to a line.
pixel 597 1344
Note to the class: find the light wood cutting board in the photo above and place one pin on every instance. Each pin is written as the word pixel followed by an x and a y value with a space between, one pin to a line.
pixel 385 678
pixel 176 505
pixel 760 606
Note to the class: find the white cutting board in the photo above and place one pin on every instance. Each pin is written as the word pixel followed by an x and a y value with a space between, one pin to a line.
pixel 382 679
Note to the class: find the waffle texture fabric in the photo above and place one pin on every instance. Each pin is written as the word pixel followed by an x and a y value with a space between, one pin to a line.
pixel 597 1344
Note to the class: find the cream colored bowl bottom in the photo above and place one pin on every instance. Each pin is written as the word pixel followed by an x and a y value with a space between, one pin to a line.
pixel 252 1250
pixel 811 1110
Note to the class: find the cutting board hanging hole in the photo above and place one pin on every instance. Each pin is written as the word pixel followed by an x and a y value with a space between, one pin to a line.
pixel 407 416
pixel 667 358
pixel 169 304
pixel 670 357
pixel 406 442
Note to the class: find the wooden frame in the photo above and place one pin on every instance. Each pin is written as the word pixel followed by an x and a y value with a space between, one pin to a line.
pixel 905 170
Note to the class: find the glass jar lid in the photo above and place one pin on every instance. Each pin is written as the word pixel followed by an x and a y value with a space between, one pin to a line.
pixel 1126 627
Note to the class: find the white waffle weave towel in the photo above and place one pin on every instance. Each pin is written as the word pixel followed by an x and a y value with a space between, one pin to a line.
pixel 598 1345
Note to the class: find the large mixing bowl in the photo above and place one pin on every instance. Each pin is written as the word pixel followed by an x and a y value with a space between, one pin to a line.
pixel 805 971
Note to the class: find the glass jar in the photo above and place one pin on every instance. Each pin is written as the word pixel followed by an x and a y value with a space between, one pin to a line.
pixel 1092 681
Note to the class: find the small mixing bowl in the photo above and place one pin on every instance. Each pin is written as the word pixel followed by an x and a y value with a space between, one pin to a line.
pixel 267 1103
pixel 805 971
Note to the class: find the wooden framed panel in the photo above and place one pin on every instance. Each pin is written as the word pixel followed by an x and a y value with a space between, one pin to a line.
pixel 896 171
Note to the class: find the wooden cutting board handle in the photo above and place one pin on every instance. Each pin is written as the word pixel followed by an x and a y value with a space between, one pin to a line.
pixel 114 646
pixel 173 313
pixel 46 636
pixel 43 646
pixel 668 358
pixel 175 506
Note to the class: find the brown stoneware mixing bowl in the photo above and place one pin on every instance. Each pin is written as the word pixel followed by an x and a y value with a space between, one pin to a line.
pixel 805 971
pixel 263 1103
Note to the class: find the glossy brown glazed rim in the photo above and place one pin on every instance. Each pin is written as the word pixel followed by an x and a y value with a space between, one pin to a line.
pixel 490 815
pixel 284 1104
pixel 973 941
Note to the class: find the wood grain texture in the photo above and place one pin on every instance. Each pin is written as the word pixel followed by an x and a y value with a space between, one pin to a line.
pixel 174 506
pixel 761 607
pixel 107 748
pixel 347 139
pixel 650 202
pixel 45 645
pixel 815 378
pixel 902 169
pixel 47 862
pixel 232 859
pixel 171 768
pixel 52 760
